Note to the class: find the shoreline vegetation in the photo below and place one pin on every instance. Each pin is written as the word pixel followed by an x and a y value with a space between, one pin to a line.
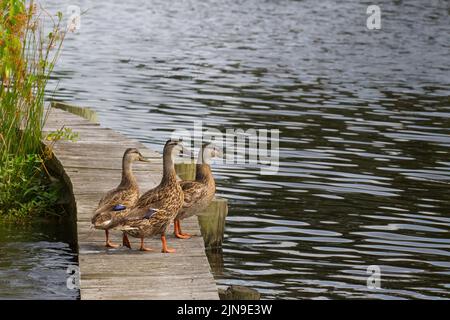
pixel 28 53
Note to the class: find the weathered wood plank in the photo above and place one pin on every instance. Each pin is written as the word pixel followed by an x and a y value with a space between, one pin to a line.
pixel 91 166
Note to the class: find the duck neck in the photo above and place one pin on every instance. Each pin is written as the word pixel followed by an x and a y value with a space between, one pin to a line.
pixel 169 174
pixel 203 170
pixel 128 179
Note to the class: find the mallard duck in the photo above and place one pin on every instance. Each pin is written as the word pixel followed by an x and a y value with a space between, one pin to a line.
pixel 156 208
pixel 199 193
pixel 117 202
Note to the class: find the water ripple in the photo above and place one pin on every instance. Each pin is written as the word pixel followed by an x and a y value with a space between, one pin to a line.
pixel 363 116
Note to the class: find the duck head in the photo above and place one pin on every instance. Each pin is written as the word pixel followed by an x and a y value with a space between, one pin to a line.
pixel 133 154
pixel 174 147
pixel 209 151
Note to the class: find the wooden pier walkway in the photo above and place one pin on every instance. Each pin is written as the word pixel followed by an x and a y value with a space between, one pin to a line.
pixel 91 166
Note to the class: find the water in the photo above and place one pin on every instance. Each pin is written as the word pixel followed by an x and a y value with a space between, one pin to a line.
pixel 34 259
pixel 364 119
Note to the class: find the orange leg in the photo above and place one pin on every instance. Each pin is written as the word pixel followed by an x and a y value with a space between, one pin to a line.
pixel 126 241
pixel 164 245
pixel 175 227
pixel 177 230
pixel 143 248
pixel 109 244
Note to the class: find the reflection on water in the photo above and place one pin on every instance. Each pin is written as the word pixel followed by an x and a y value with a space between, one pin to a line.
pixel 34 259
pixel 364 119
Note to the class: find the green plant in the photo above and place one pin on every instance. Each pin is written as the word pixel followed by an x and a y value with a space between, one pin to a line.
pixel 25 192
pixel 27 59
pixel 62 134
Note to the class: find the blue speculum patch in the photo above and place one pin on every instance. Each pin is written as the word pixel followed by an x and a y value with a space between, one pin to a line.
pixel 119 207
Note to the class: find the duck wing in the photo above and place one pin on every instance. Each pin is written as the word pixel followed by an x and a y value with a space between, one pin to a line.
pixel 150 219
pixel 193 192
pixel 155 198
pixel 125 197
pixel 115 202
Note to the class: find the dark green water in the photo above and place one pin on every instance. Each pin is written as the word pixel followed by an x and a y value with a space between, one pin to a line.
pixel 364 119
pixel 34 260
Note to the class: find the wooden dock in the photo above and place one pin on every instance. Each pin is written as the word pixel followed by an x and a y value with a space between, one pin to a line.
pixel 91 165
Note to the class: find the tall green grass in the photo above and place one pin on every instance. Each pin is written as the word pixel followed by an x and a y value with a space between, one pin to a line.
pixel 29 50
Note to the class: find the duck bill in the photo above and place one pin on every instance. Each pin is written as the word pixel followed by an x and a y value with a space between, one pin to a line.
pixel 143 159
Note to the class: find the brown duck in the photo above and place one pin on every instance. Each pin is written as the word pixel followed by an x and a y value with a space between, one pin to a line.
pixel 156 208
pixel 117 202
pixel 199 193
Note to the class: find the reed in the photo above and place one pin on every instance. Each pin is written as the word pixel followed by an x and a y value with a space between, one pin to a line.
pixel 30 44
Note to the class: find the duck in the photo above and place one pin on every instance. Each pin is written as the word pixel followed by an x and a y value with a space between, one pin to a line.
pixel 198 193
pixel 117 202
pixel 156 209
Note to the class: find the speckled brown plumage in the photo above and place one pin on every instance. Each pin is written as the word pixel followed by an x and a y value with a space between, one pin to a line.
pixel 167 198
pixel 126 194
pixel 140 227
pixel 105 215
pixel 199 193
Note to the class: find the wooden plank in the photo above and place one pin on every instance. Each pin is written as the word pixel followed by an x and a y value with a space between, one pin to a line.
pixel 91 166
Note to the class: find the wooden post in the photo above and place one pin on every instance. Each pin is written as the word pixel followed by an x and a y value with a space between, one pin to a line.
pixel 239 293
pixel 215 259
pixel 186 171
pixel 212 223
pixel 212 220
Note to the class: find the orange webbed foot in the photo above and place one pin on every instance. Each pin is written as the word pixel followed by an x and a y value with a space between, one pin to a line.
pixel 145 249
pixel 109 244
pixel 165 249
pixel 183 235
pixel 177 230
